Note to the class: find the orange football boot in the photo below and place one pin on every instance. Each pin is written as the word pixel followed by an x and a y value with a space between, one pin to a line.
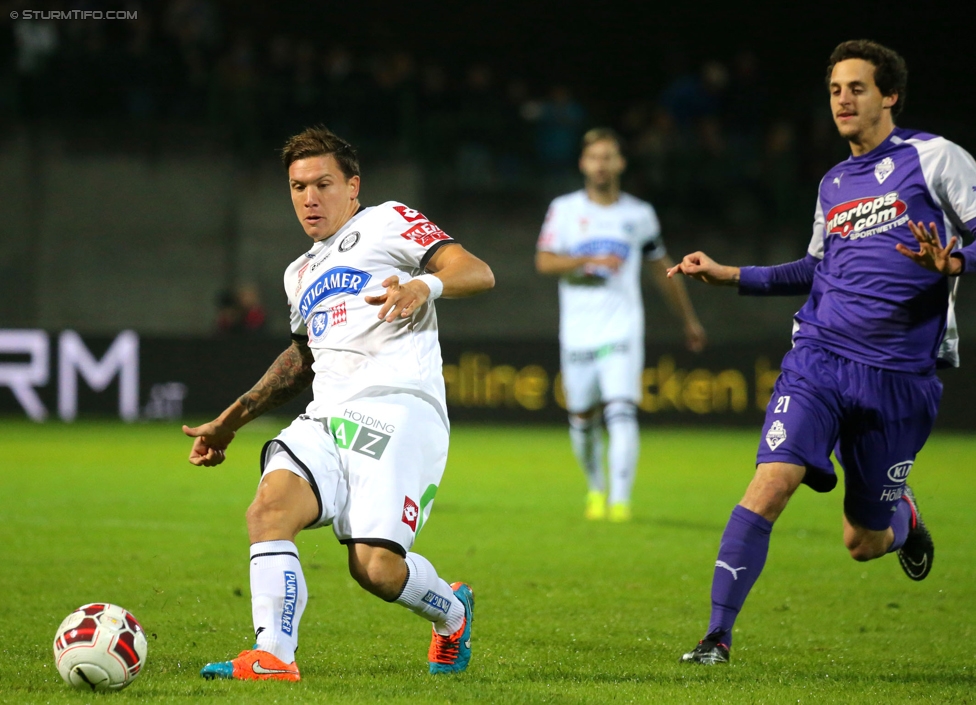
pixel 254 665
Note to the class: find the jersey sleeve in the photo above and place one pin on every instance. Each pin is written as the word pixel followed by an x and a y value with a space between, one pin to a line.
pixel 549 239
pixel 950 173
pixel 295 320
pixel 787 279
pixel 412 238
pixel 816 247
pixel 956 182
pixel 651 243
pixel 955 186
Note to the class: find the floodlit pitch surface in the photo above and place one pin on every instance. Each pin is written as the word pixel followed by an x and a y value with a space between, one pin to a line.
pixel 567 611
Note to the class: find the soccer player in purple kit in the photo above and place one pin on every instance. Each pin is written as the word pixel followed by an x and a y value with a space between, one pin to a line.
pixel 860 379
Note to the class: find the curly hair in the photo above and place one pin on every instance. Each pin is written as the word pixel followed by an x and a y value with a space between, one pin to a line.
pixel 890 71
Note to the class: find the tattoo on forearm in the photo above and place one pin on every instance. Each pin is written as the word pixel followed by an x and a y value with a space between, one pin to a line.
pixel 288 376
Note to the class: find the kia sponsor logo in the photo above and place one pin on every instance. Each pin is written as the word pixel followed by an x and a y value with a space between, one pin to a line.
pixel 899 471
pixel 862 214
pixel 425 234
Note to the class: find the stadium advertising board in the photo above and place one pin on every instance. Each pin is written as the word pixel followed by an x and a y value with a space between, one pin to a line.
pixel 64 375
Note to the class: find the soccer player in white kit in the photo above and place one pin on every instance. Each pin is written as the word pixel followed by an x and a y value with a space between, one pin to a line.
pixel 368 454
pixel 594 240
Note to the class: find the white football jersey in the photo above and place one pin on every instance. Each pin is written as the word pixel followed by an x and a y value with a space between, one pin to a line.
pixel 597 308
pixel 356 354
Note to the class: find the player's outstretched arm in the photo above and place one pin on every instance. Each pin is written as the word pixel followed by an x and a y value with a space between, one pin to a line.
pixel 677 296
pixel 700 266
pixel 462 273
pixel 287 377
pixel 452 270
pixel 556 265
pixel 931 254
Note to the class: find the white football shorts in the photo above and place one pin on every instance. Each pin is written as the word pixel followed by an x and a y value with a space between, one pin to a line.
pixel 609 373
pixel 374 465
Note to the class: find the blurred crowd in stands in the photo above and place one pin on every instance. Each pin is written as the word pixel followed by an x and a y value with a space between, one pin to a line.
pixel 240 312
pixel 710 142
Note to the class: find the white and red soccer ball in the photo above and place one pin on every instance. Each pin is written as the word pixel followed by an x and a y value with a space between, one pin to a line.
pixel 100 647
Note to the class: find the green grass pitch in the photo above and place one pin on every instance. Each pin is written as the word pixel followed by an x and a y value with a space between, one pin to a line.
pixel 567 611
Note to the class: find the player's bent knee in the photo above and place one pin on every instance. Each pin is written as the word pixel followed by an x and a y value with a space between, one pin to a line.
pixel 866 545
pixel 377 570
pixel 864 552
pixel 372 578
pixel 771 489
pixel 280 508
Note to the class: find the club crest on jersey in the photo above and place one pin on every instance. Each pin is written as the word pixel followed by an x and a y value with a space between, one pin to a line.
pixel 883 169
pixel 318 325
pixel 322 322
pixel 867 216
pixel 776 435
pixel 349 242
pixel 338 280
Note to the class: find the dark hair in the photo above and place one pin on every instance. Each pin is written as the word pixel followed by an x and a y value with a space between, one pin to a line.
pixel 319 141
pixel 599 134
pixel 890 71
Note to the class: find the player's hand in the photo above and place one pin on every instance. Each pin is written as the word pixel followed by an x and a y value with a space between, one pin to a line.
pixel 400 299
pixel 931 254
pixel 209 443
pixel 700 266
pixel 695 337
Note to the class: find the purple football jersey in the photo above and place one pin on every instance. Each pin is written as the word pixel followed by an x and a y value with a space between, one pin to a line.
pixel 868 302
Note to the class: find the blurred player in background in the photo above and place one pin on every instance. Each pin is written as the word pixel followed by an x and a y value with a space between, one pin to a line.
pixel 860 379
pixel 368 454
pixel 594 240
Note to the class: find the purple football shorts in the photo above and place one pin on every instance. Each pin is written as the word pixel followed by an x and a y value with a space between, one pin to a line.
pixel 876 421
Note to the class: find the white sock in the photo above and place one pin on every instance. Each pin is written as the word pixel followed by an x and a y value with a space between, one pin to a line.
pixel 586 437
pixel 278 597
pixel 426 594
pixel 621 420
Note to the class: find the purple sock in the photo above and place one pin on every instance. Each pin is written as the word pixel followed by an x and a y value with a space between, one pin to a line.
pixel 901 522
pixel 741 557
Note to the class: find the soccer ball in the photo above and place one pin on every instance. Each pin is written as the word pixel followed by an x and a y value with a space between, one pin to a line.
pixel 100 647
